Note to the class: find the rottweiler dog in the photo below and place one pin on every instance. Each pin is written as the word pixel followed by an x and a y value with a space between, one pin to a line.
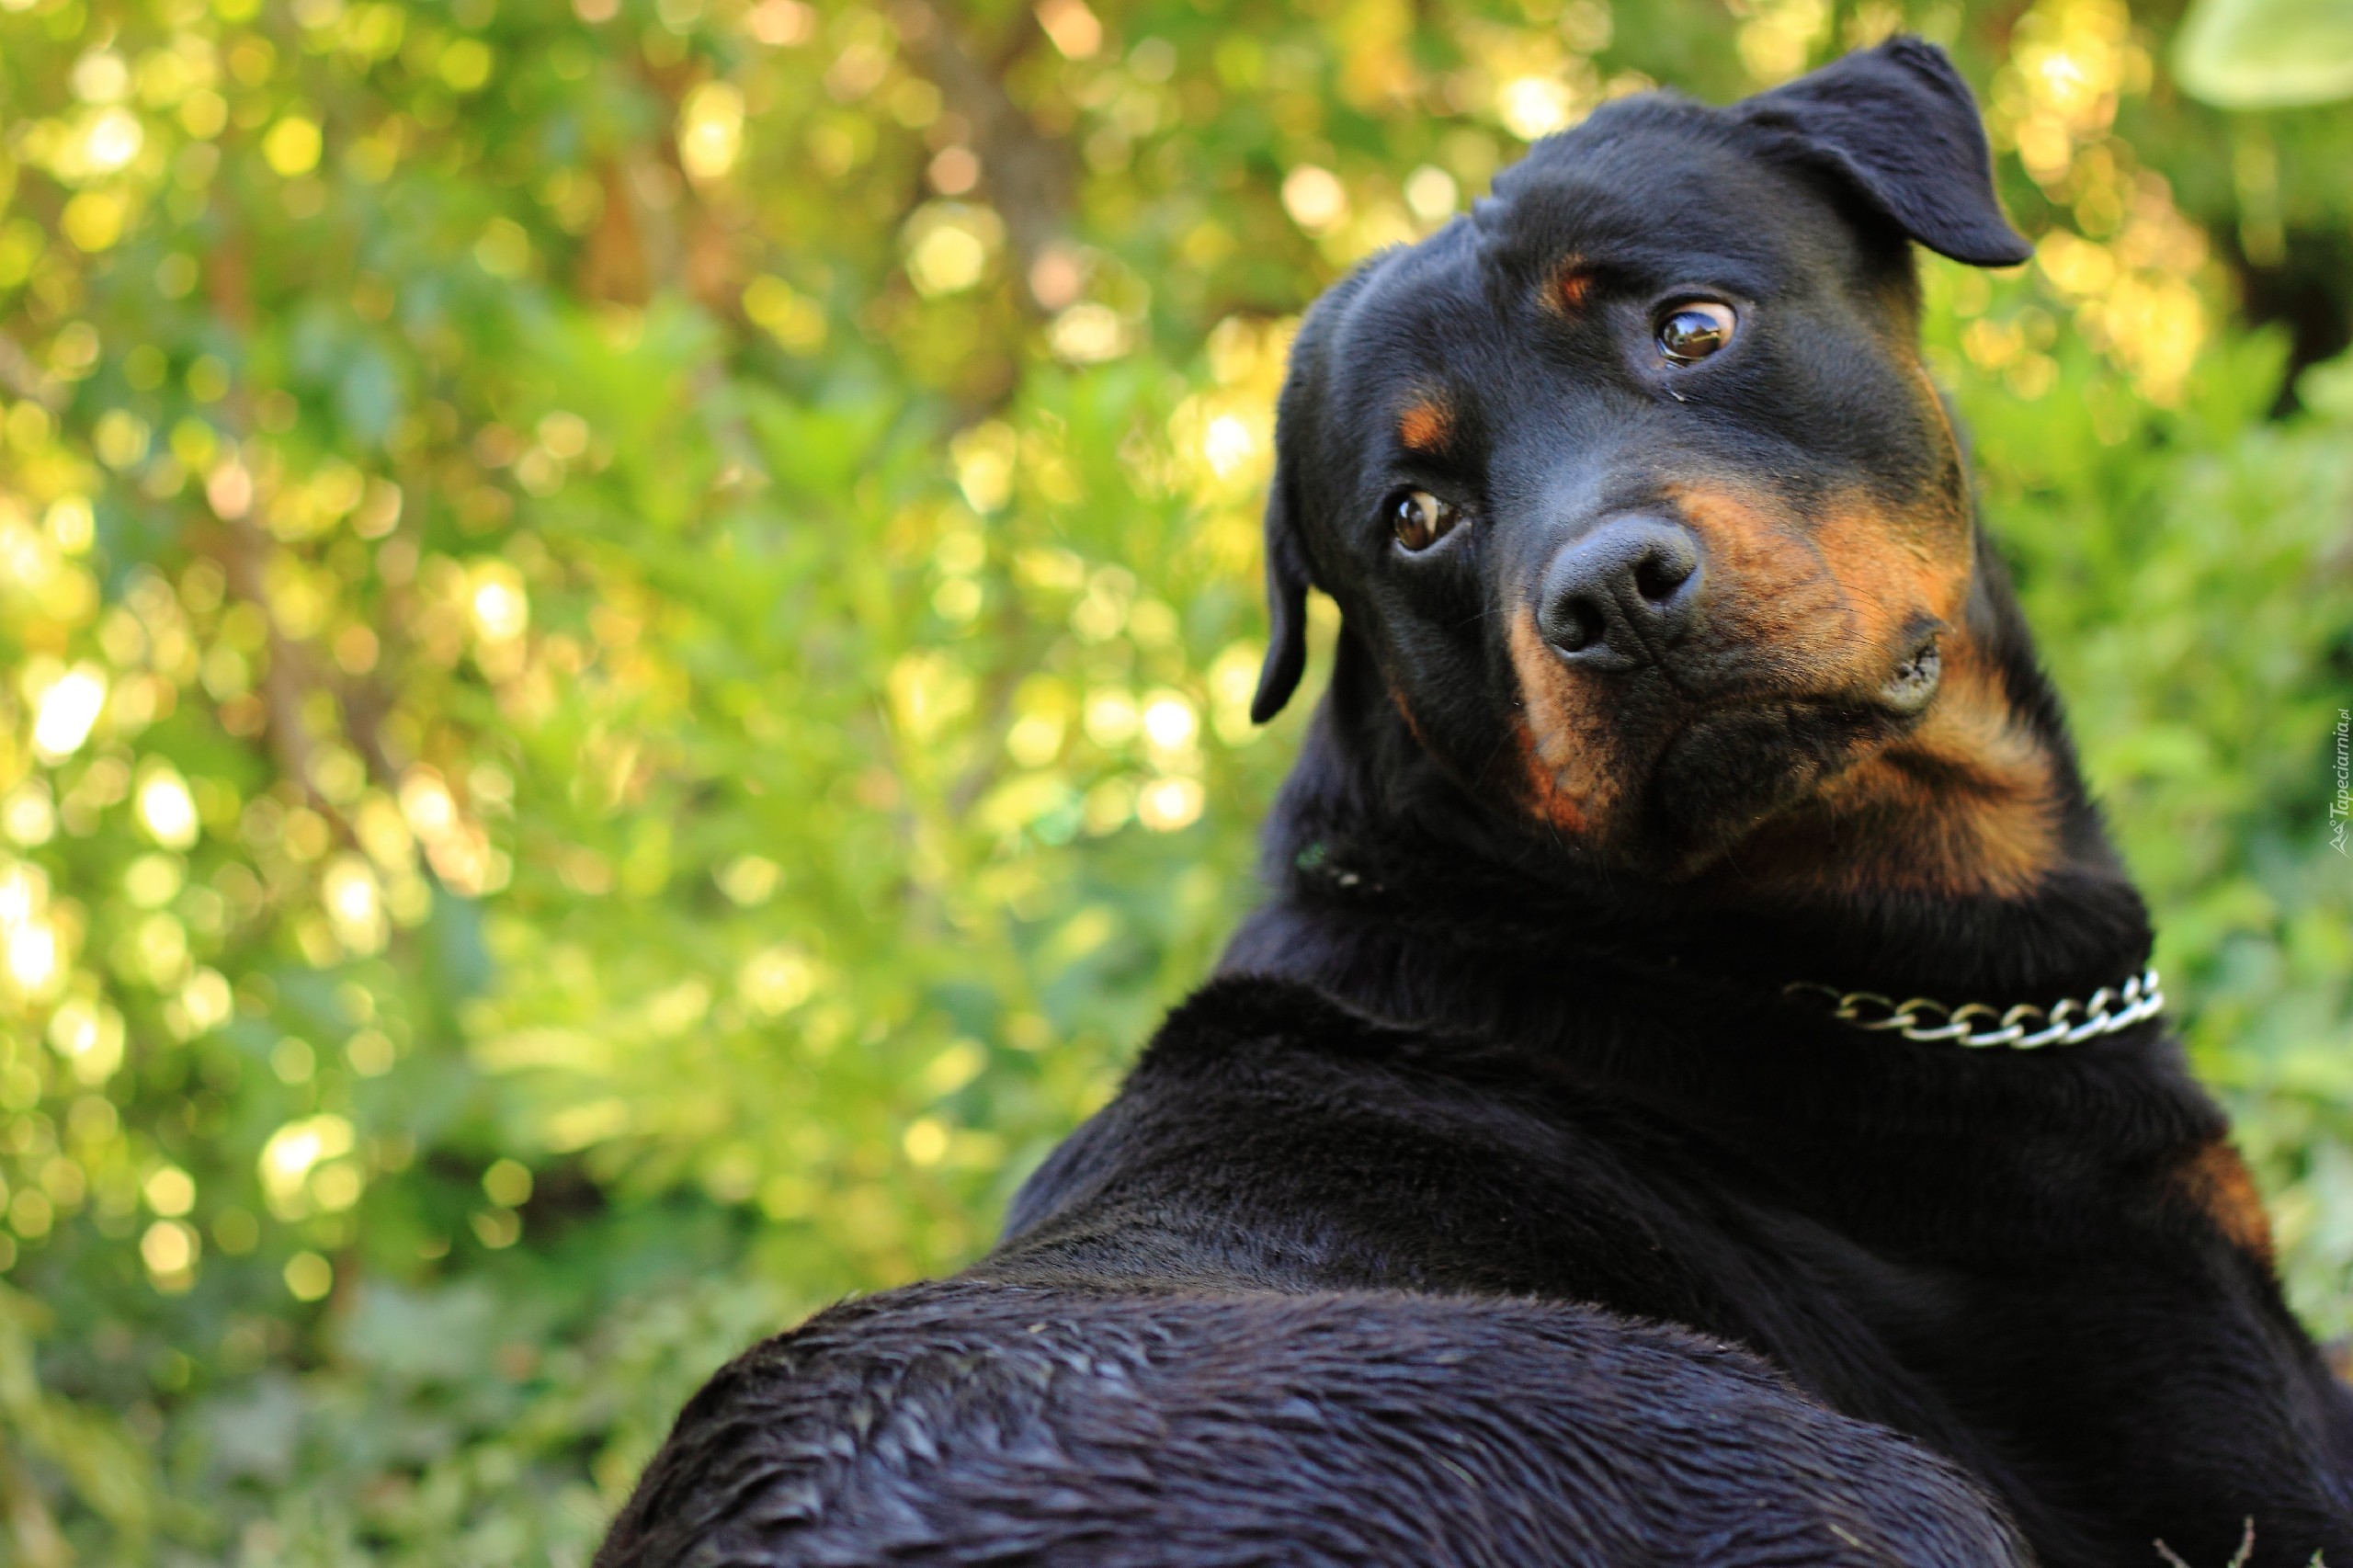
pixel 1693 1095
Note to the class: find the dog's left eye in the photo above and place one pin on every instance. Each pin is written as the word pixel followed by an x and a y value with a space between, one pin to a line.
pixel 1423 520
pixel 1689 334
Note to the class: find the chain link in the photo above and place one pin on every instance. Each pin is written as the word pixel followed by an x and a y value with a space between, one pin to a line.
pixel 1980 1025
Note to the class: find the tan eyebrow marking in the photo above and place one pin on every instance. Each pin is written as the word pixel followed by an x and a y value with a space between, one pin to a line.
pixel 1572 286
pixel 1425 428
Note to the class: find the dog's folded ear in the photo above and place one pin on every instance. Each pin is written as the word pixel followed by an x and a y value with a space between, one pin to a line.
pixel 1287 583
pixel 1899 123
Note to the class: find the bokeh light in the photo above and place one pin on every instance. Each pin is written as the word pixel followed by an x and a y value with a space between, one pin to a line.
pixel 631 626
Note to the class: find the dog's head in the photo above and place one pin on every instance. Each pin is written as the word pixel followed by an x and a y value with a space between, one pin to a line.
pixel 1634 490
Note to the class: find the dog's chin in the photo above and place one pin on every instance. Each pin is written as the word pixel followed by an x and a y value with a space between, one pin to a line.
pixel 1731 770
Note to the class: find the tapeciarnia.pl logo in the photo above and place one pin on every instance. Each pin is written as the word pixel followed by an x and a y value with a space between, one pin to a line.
pixel 2341 804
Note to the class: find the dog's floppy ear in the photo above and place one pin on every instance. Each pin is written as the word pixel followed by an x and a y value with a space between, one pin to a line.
pixel 1899 123
pixel 1286 604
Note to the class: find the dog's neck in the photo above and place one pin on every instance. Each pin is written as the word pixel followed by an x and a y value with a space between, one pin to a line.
pixel 1371 836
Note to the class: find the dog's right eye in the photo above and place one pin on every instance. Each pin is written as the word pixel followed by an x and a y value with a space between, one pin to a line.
pixel 1423 520
pixel 1689 334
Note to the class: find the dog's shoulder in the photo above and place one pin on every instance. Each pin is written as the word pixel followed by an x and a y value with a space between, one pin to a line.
pixel 1269 1139
pixel 1253 1074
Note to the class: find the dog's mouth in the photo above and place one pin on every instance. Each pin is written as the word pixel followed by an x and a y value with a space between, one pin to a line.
pixel 1733 769
pixel 1914 685
pixel 1737 764
pixel 1670 767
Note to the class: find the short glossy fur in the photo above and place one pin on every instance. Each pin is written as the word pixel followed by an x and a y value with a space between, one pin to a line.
pixel 1713 684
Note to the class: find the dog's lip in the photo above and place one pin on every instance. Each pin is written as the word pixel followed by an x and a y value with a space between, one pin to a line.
pixel 1918 676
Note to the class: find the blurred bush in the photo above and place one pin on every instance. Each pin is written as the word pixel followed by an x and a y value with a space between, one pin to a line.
pixel 628 630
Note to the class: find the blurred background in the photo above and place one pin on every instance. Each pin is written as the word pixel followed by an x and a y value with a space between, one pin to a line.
pixel 625 629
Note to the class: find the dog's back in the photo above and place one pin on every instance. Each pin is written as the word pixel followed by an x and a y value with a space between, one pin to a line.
pixel 966 1423
pixel 1296 1296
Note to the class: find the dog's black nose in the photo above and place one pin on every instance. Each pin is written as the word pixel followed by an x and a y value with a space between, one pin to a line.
pixel 1618 595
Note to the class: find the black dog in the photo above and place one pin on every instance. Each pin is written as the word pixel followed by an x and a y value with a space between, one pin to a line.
pixel 1503 1203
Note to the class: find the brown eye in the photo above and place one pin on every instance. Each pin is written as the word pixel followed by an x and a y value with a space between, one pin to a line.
pixel 1690 332
pixel 1423 520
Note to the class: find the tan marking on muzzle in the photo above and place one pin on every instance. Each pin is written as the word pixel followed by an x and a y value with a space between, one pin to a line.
pixel 1893 567
pixel 1824 606
pixel 1568 747
pixel 1768 601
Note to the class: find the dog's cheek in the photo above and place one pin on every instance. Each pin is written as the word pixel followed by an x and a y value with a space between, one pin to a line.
pixel 1404 702
pixel 1895 566
pixel 1441 695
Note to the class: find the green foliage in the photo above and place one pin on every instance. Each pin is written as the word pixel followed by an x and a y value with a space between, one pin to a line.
pixel 2264 53
pixel 629 630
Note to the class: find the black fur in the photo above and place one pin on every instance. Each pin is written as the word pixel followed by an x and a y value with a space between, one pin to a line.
pixel 1899 123
pixel 1494 1205
pixel 1010 1424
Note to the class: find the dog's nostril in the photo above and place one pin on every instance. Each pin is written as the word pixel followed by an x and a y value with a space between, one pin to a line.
pixel 1577 625
pixel 1656 576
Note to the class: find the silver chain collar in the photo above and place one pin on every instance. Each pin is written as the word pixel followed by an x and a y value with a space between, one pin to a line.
pixel 1981 1024
pixel 1977 1025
